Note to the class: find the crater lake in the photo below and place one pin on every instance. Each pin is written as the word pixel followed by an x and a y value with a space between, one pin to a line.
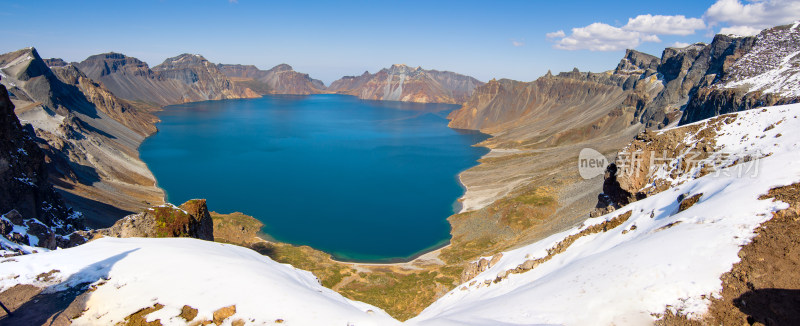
pixel 362 180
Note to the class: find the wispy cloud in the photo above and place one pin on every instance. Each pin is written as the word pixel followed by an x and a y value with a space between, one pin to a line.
pixel 557 34
pixel 517 43
pixel 233 1
pixel 679 45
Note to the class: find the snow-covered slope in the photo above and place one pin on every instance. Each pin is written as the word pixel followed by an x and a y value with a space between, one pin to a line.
pixel 632 265
pixel 135 273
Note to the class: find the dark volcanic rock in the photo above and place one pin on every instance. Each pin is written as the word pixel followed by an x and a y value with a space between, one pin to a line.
pixel 710 102
pixel 757 71
pixel 25 192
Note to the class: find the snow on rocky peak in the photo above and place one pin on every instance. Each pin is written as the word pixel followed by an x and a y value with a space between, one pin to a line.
pixel 646 258
pixel 772 65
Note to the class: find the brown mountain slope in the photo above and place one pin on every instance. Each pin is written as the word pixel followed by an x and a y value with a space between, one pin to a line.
pixel 89 135
pixel 403 83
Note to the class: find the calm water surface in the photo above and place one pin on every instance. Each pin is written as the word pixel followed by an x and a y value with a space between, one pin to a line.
pixel 362 180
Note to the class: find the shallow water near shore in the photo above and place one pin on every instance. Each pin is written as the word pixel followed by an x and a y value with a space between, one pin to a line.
pixel 362 180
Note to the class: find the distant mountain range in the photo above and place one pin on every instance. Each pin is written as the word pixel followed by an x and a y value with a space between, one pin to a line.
pixel 281 79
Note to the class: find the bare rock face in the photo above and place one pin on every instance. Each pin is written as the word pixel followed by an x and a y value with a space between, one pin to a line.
pixel 185 78
pixel 31 203
pixel 403 83
pixel 281 79
pixel 762 71
pixel 191 219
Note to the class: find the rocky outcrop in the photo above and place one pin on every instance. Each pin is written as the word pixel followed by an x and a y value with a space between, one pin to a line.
pixel 656 161
pixel 191 219
pixel 281 79
pixel 403 83
pixel 90 137
pixel 185 78
pixel 35 214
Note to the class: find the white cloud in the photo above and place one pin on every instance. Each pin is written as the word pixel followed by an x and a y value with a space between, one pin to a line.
pixel 679 45
pixel 603 37
pixel 642 28
pixel 664 25
pixel 557 34
pixel 741 17
pixel 756 14
pixel 233 1
pixel 740 30
pixel 517 43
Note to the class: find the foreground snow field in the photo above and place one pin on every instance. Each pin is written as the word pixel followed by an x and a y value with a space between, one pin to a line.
pixel 658 259
pixel 135 273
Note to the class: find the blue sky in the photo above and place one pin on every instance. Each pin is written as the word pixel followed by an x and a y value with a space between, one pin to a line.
pixel 485 39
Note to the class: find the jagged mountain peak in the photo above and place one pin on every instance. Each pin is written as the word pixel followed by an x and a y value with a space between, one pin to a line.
pixel 23 64
pixel 637 62
pixel 183 61
pixel 282 67
pixel 404 69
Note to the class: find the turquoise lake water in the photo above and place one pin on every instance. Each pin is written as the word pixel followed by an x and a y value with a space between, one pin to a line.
pixel 362 180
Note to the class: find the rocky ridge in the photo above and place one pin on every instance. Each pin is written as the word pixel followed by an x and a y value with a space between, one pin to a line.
pixel 180 79
pixel 407 84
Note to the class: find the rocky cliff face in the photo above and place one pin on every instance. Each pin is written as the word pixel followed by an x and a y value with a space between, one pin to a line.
pixel 185 78
pixel 403 83
pixel 281 79
pixel 35 215
pixel 191 219
pixel 763 71
pixel 89 136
